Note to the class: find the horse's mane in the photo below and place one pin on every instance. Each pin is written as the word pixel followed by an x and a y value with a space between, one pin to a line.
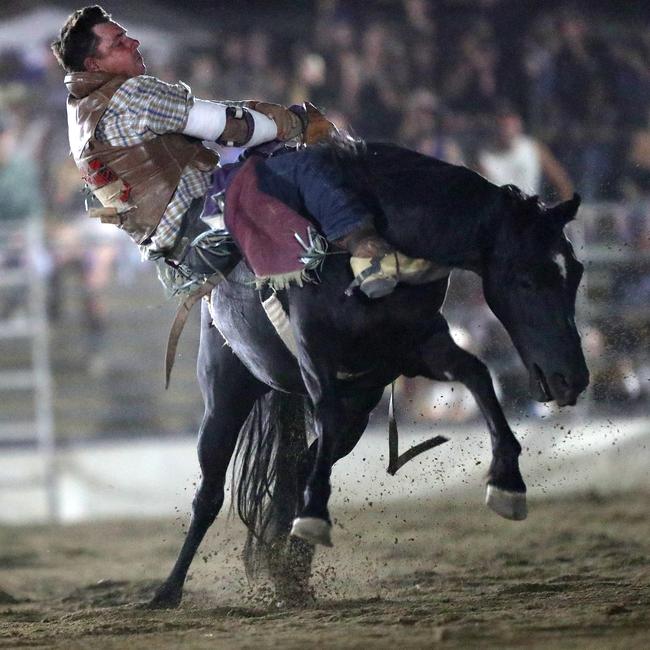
pixel 417 199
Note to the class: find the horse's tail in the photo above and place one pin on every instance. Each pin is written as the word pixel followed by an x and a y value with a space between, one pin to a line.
pixel 269 463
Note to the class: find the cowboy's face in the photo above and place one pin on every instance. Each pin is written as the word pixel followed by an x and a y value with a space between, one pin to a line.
pixel 116 52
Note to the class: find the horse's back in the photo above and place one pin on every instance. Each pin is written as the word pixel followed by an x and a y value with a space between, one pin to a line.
pixel 400 167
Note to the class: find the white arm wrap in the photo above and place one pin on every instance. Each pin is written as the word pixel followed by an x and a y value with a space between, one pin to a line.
pixel 206 120
pixel 265 129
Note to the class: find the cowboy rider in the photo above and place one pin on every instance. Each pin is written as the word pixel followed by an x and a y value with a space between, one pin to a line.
pixel 128 136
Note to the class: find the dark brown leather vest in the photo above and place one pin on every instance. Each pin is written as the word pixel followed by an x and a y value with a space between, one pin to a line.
pixel 136 183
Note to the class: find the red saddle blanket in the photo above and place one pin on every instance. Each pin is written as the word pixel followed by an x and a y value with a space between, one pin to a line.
pixel 267 232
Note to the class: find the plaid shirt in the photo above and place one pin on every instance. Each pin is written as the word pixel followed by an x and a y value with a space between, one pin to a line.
pixel 142 108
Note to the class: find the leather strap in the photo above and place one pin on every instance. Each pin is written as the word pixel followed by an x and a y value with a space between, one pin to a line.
pixel 180 319
pixel 395 460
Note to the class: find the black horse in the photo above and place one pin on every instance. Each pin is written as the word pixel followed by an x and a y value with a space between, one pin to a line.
pixel 349 348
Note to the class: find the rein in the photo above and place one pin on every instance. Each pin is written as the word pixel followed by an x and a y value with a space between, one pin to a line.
pixel 395 460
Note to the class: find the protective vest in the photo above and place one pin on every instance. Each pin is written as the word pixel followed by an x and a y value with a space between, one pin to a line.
pixel 134 183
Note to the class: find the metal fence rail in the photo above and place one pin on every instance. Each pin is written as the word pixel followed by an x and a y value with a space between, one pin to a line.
pixel 27 377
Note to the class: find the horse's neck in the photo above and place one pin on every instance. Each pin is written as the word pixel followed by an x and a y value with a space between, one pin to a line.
pixel 426 207
pixel 444 242
pixel 444 234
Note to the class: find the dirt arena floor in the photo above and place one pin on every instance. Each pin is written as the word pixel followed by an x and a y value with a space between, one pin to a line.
pixel 452 574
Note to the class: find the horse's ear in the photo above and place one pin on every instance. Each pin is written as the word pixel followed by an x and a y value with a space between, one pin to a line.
pixel 564 212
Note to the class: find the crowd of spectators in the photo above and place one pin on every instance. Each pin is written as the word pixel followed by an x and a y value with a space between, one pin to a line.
pixel 468 82
pixel 432 75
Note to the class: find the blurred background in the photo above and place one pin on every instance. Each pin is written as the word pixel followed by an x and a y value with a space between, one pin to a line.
pixel 552 96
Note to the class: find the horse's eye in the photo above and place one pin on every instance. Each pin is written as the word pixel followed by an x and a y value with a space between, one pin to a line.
pixel 526 283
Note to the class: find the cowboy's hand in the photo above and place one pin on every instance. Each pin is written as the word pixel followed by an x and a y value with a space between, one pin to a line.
pixel 287 122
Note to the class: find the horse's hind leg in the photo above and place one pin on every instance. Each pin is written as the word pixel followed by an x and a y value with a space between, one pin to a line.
pixel 229 392
pixel 290 558
pixel 268 546
pixel 291 566
pixel 441 359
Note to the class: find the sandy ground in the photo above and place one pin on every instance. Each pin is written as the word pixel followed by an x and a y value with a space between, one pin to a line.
pixel 403 574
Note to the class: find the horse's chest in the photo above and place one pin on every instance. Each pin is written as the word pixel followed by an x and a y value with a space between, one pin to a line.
pixel 352 338
pixel 364 339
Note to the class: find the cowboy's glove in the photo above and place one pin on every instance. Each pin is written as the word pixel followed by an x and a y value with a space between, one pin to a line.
pixel 289 125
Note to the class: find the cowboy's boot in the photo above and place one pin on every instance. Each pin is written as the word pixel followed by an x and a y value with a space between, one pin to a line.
pixel 378 267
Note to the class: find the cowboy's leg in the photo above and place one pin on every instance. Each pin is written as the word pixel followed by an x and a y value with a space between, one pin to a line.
pixel 201 251
pixel 229 392
pixel 311 181
pixel 441 359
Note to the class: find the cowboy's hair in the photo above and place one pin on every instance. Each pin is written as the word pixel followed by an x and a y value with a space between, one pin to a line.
pixel 77 39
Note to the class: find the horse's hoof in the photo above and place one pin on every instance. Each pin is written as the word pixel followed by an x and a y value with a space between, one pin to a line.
pixel 508 504
pixel 313 530
pixel 165 598
pixel 294 598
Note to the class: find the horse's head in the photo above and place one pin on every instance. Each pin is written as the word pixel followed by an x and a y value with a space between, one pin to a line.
pixel 530 281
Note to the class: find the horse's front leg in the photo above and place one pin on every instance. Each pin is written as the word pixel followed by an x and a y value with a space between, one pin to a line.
pixel 441 359
pixel 339 424
pixel 229 392
pixel 314 524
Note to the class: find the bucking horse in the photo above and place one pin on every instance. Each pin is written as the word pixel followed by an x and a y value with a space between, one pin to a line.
pixel 261 398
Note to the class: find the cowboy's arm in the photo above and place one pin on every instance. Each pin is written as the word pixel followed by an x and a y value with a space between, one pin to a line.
pixel 248 123
pixel 154 105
